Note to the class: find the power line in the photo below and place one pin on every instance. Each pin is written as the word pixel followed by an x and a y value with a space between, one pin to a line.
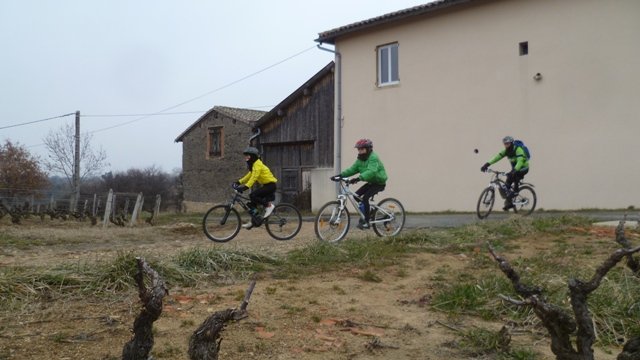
pixel 151 114
pixel 209 92
pixel 164 111
pixel 169 113
pixel 36 121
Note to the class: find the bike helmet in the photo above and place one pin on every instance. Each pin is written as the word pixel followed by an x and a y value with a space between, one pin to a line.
pixel 364 144
pixel 507 140
pixel 251 151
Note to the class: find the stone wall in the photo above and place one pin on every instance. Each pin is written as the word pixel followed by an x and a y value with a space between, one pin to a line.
pixel 207 179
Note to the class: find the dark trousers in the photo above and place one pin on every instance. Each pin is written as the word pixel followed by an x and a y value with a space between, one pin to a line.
pixel 366 192
pixel 515 177
pixel 262 195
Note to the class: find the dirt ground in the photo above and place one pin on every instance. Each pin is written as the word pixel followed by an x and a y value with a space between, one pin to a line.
pixel 335 315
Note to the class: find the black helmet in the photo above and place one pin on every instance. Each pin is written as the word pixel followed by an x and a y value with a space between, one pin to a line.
pixel 251 151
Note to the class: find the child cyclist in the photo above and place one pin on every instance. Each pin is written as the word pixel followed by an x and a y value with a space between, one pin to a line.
pixel 371 170
pixel 258 173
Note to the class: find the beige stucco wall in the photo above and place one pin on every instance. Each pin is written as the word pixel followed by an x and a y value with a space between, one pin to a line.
pixel 463 86
pixel 322 190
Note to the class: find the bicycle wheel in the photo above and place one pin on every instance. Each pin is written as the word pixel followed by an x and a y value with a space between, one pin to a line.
pixel 525 202
pixel 284 222
pixel 221 223
pixel 485 202
pixel 332 223
pixel 391 212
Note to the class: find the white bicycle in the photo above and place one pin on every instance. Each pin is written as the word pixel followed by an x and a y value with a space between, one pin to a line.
pixel 386 217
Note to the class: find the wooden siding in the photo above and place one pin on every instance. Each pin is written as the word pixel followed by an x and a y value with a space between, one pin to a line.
pixel 309 118
pixel 298 138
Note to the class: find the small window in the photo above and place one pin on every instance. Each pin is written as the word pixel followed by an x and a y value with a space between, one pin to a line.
pixel 388 72
pixel 524 48
pixel 215 142
pixel 290 179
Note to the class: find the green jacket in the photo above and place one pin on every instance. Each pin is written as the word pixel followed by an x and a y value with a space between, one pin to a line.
pixel 370 170
pixel 517 158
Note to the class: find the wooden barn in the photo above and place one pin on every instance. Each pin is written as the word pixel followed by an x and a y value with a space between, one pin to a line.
pixel 296 137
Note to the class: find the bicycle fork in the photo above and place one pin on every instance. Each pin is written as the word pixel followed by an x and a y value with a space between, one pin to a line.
pixel 226 215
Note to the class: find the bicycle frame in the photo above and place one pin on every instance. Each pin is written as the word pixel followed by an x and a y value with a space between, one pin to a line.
pixel 347 194
pixel 499 184
pixel 237 198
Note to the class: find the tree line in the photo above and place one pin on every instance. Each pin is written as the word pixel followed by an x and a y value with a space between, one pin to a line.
pixel 22 174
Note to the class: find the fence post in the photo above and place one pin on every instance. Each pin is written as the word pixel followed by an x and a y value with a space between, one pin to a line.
pixel 156 208
pixel 73 203
pixel 84 209
pixel 136 209
pixel 126 207
pixel 93 206
pixel 107 208
pixel 97 208
pixel 113 205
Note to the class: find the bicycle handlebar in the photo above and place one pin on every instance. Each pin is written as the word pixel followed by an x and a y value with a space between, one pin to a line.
pixel 496 172
pixel 345 180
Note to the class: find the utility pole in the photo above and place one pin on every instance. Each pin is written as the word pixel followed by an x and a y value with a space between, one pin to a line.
pixel 76 164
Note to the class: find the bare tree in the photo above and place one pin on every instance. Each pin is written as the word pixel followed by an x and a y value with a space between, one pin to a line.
pixel 572 335
pixel 60 145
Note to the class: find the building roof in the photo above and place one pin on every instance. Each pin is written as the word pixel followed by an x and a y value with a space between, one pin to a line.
pixel 330 36
pixel 296 94
pixel 246 116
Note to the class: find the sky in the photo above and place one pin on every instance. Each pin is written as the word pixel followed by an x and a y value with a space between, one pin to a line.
pixel 110 59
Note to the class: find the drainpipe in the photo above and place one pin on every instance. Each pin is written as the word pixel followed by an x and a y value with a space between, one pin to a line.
pixel 255 135
pixel 337 116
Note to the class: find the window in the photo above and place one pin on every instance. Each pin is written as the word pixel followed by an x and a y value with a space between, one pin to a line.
pixel 524 48
pixel 215 142
pixel 388 65
pixel 289 179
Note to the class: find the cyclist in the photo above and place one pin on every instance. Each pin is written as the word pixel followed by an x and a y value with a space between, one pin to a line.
pixel 519 167
pixel 258 173
pixel 370 169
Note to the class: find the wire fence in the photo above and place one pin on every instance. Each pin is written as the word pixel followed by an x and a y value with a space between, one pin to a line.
pixel 117 208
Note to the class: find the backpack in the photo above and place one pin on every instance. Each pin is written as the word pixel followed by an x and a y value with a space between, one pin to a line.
pixel 519 143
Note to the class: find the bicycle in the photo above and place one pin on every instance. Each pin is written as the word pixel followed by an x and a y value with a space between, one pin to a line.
pixel 222 222
pixel 524 201
pixel 387 217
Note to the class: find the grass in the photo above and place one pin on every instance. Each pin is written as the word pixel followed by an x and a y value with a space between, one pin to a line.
pixel 480 343
pixel 614 305
pixel 472 291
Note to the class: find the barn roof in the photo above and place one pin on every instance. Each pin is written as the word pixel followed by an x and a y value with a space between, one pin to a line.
pixel 330 36
pixel 296 94
pixel 247 116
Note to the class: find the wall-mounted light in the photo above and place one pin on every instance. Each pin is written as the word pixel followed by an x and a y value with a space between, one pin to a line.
pixel 537 77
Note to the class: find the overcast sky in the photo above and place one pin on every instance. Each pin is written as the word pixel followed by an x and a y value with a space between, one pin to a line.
pixel 123 57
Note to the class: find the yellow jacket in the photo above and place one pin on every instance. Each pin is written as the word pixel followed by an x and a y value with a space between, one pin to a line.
pixel 260 173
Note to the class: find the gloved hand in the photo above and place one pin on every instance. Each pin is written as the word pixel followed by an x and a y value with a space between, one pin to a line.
pixel 353 180
pixel 335 177
pixel 485 167
pixel 242 188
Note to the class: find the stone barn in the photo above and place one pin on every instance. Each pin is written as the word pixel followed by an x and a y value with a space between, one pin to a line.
pixel 212 154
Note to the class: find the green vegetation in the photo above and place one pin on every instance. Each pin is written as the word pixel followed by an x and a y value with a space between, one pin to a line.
pixel 471 291
pixel 479 342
